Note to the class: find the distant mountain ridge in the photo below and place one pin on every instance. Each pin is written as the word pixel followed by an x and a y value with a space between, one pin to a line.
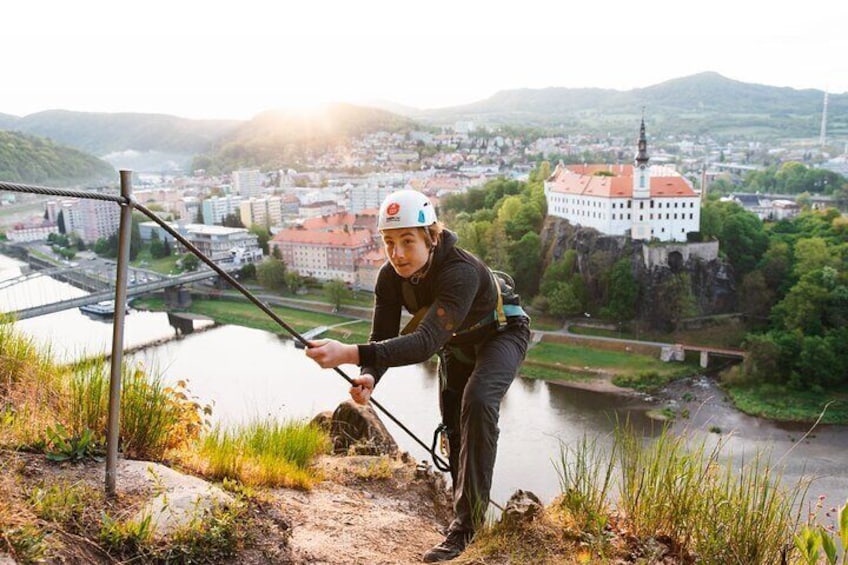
pixel 702 104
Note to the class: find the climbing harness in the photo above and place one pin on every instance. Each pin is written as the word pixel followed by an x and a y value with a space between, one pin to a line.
pixel 504 285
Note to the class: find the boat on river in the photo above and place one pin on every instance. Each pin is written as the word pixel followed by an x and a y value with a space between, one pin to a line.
pixel 104 309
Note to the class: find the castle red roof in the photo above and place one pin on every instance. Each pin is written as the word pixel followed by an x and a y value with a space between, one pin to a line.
pixel 585 180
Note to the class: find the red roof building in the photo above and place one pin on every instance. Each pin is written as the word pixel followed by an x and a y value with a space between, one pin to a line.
pixel 325 255
pixel 634 200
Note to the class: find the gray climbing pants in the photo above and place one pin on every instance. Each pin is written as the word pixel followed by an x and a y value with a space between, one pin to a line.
pixel 474 379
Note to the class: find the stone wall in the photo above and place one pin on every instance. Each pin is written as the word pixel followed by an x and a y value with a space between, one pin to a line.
pixel 655 255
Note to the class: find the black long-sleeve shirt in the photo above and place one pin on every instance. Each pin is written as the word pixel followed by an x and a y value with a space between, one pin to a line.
pixel 459 292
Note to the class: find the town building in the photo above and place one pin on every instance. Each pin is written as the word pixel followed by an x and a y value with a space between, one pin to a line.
pixel 367 195
pixel 266 211
pixel 369 268
pixel 345 221
pixel 324 255
pixel 318 209
pixel 219 243
pixel 247 183
pixel 25 232
pixel 217 208
pixel 88 218
pixel 188 208
pixel 772 207
pixel 640 201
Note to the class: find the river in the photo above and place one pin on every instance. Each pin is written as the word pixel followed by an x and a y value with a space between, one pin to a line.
pixel 245 374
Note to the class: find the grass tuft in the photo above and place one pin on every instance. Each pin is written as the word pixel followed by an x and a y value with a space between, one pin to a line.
pixel 264 452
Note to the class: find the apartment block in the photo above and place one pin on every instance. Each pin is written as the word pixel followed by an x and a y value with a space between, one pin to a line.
pixel 325 255
pixel 217 208
pixel 247 183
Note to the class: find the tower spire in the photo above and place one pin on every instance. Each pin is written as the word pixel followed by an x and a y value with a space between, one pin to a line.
pixel 642 156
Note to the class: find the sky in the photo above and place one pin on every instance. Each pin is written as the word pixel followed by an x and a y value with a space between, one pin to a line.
pixel 232 60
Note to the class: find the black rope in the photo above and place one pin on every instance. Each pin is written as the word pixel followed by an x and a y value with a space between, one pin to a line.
pixel 437 461
pixel 70 193
pixel 440 429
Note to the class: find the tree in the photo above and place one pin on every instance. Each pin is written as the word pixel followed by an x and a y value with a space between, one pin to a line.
pixel 623 292
pixel 247 272
pixel 232 220
pixel 675 300
pixel 810 254
pixel 776 265
pixel 271 274
pixel 263 235
pixel 743 240
pixel 497 248
pixel 807 305
pixel 294 281
pixel 520 216
pixel 526 260
pixel 756 297
pixel 710 222
pixel 473 236
pixel 561 270
pixel 336 291
pixel 763 362
pixel 135 235
pixel 101 247
pixel 563 301
pixel 157 249
pixel 190 262
pixel 60 222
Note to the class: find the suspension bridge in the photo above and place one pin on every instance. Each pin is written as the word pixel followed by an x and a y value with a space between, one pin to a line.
pixel 98 279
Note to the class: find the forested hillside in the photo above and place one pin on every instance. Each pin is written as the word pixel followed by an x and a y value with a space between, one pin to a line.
pixel 35 160
pixel 103 133
pixel 288 139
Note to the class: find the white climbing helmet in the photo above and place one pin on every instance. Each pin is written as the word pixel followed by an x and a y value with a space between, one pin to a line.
pixel 406 209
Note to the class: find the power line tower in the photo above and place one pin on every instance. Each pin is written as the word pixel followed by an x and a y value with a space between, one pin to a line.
pixel 823 133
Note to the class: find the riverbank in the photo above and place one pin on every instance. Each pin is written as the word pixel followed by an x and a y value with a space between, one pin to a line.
pixel 614 366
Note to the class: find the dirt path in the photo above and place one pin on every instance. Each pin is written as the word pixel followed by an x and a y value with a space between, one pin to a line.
pixel 359 515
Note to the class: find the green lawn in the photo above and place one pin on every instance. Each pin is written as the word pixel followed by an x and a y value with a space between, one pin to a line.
pixel 777 402
pixel 247 314
pixel 582 356
pixel 556 361
pixel 164 265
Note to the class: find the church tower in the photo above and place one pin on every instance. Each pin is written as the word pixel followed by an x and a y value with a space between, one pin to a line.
pixel 640 228
pixel 641 171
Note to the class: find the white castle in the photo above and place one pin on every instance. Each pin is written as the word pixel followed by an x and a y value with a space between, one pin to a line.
pixel 640 201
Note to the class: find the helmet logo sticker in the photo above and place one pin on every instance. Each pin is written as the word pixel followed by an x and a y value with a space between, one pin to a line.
pixel 393 209
pixel 421 218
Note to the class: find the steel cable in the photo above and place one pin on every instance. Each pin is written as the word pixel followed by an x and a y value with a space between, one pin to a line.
pixel 70 193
